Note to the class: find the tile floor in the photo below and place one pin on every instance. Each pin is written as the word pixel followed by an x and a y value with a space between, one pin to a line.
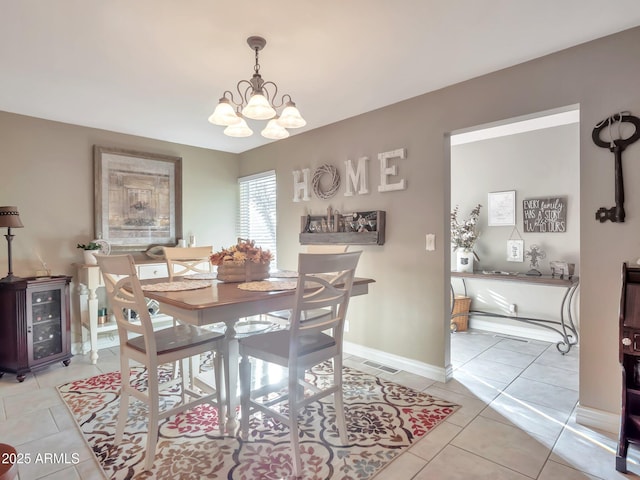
pixel 517 419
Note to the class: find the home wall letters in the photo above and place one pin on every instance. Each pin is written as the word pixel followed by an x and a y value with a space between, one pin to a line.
pixel 356 180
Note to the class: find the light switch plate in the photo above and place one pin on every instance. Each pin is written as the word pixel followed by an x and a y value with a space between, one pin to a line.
pixel 431 242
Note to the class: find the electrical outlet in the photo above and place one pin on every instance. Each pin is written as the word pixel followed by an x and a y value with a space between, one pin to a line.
pixel 513 309
pixel 346 326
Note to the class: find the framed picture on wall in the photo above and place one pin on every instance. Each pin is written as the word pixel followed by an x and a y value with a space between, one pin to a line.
pixel 515 250
pixel 545 215
pixel 501 208
pixel 138 198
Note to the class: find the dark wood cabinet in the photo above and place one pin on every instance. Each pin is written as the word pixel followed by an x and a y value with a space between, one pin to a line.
pixel 630 361
pixel 35 324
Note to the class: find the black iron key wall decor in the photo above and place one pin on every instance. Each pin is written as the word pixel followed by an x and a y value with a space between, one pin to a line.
pixel 617 146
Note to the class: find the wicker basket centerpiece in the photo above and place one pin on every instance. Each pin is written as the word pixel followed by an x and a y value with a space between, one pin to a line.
pixel 243 262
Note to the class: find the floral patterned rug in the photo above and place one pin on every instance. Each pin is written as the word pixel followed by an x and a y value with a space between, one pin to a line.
pixel 383 419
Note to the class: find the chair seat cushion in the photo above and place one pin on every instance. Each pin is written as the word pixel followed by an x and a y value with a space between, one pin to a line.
pixel 177 338
pixel 277 343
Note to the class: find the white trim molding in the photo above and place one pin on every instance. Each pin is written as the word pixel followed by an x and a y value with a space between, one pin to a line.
pixel 544 335
pixel 438 374
pixel 593 418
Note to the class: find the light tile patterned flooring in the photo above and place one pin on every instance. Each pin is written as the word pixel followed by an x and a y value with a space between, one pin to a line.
pixel 517 419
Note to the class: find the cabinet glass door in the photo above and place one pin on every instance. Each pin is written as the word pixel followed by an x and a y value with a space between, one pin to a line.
pixel 46 309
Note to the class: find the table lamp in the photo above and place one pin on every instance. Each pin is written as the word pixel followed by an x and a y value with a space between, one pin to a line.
pixel 9 218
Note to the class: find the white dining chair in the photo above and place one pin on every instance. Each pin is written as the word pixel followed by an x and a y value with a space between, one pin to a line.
pixel 140 344
pixel 183 261
pixel 305 344
pixel 282 316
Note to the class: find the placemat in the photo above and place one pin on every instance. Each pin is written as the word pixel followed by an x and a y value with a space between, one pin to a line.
pixel 266 286
pixel 201 276
pixel 176 286
pixel 283 274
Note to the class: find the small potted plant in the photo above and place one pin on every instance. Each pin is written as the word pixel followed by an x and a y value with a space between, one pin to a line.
pixel 89 251
pixel 464 235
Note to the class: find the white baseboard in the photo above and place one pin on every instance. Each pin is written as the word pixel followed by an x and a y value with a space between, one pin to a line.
pixel 524 331
pixel 389 359
pixel 592 418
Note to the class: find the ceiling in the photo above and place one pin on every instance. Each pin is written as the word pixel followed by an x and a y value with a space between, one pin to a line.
pixel 156 68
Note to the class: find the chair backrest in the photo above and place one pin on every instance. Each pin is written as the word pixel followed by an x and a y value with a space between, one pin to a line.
pixel 324 280
pixel 125 293
pixel 182 261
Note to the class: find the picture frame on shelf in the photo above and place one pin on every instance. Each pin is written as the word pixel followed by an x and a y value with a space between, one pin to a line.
pixel 501 208
pixel 515 250
pixel 138 198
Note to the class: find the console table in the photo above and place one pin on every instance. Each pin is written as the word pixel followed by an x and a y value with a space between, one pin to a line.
pixel 564 326
pixel 89 280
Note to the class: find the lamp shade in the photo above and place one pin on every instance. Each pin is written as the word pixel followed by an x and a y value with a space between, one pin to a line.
pixel 274 130
pixel 258 108
pixel 291 118
pixel 224 114
pixel 240 129
pixel 9 217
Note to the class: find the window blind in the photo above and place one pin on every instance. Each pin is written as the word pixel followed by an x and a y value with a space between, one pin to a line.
pixel 257 213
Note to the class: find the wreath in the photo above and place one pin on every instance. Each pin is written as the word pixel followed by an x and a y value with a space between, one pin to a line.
pixel 335 181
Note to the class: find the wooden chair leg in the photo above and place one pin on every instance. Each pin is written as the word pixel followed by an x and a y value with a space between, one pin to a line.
pixel 338 401
pixel 123 413
pixel 153 400
pixel 294 394
pixel 221 397
pixel 245 396
pixel 185 374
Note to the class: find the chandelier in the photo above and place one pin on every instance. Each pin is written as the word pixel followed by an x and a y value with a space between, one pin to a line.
pixel 256 100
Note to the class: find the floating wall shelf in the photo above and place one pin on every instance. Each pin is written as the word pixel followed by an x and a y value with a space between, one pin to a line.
pixel 358 228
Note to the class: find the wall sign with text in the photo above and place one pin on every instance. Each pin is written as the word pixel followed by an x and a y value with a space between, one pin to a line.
pixel 545 215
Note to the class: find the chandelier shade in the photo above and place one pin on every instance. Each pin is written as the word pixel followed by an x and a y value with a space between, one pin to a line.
pixel 224 114
pixel 256 100
pixel 258 108
pixel 274 130
pixel 239 129
pixel 290 117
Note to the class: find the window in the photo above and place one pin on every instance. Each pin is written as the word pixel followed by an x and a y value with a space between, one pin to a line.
pixel 257 217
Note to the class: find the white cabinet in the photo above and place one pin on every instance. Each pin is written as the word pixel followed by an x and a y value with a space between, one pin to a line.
pixel 154 270
pixel 89 281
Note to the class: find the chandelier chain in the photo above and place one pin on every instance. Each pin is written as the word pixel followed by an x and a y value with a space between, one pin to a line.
pixel 256 67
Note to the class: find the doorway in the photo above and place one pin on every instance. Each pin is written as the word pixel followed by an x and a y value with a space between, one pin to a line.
pixel 535 157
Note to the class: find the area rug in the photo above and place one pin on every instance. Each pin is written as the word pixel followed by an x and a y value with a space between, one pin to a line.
pixel 383 418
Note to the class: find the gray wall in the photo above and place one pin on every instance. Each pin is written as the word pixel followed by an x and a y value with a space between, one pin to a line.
pixel 47 172
pixel 539 163
pixel 407 313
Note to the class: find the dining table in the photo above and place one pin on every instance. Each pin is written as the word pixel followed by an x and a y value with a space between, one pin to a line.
pixel 228 303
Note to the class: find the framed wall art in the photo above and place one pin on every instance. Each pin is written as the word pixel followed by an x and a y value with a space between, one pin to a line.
pixel 545 215
pixel 501 208
pixel 515 250
pixel 138 198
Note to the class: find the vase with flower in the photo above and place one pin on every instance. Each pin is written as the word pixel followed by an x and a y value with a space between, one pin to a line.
pixel 463 238
pixel 243 262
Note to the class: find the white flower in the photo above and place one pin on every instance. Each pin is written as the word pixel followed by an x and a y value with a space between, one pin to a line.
pixel 464 235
